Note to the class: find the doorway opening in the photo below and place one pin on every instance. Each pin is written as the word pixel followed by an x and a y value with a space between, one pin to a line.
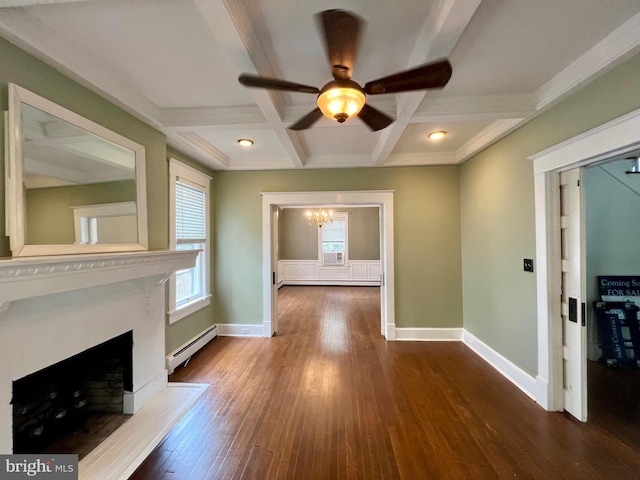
pixel 342 253
pixel 271 204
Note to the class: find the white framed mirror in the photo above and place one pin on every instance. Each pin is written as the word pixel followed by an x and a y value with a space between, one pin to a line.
pixel 72 186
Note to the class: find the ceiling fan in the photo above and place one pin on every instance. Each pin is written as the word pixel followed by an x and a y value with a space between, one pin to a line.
pixel 342 98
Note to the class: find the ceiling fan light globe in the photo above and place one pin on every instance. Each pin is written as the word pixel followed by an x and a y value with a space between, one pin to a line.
pixel 341 103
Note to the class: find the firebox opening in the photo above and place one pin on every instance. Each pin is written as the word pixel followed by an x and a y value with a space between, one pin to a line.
pixel 71 406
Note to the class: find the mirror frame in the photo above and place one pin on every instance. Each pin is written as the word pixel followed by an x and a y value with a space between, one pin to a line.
pixel 14 194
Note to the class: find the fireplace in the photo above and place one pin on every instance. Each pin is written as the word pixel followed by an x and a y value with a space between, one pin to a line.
pixel 54 308
pixel 61 408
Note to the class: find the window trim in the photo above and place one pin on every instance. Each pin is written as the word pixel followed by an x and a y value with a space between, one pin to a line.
pixel 344 216
pixel 201 180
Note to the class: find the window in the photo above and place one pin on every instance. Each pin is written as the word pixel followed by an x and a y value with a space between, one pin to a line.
pixel 332 240
pixel 189 219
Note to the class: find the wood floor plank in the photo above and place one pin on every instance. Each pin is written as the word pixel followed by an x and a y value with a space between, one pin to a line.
pixel 329 398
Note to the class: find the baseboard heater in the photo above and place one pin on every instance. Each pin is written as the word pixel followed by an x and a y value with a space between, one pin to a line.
pixel 183 353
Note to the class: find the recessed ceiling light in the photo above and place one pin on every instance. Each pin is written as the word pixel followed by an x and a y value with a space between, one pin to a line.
pixel 245 142
pixel 437 135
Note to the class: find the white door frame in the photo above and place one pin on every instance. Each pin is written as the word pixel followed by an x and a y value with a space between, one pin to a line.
pixel 381 198
pixel 616 138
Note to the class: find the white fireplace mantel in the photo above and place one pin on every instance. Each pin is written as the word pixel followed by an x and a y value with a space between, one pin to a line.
pixel 52 308
pixel 22 278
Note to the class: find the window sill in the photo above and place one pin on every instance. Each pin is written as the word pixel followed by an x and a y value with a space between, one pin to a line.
pixel 188 309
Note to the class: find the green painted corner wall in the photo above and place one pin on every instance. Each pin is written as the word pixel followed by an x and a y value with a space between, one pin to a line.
pixel 497 214
pixel 427 238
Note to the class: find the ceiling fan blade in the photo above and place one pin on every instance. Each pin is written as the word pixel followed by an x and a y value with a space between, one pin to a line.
pixel 432 75
pixel 342 36
pixel 374 118
pixel 275 84
pixel 309 119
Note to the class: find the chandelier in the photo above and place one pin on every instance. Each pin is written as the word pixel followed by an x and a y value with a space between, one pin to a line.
pixel 319 217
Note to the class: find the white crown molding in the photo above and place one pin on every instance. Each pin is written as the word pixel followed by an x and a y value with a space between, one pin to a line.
pixel 195 145
pixel 31 35
pixel 616 47
pixel 486 137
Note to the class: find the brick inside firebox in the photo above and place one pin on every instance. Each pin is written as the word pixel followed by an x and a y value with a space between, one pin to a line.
pixel 73 405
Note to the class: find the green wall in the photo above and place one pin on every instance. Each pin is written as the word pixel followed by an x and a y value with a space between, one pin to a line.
pixel 427 237
pixel 497 213
pixel 50 216
pixel 298 241
pixel 18 67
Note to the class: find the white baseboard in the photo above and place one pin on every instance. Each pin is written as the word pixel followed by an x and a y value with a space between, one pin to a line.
pixel 429 334
pixel 341 283
pixel 511 371
pixel 240 330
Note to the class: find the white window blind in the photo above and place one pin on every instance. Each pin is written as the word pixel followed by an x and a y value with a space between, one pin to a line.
pixel 333 232
pixel 190 214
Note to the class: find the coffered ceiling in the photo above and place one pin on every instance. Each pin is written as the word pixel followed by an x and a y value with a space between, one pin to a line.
pixel 175 65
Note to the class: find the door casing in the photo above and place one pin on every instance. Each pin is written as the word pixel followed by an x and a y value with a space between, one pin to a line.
pixel 380 198
pixel 615 139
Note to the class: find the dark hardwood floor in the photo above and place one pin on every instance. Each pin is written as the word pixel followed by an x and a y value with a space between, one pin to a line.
pixel 329 398
pixel 614 401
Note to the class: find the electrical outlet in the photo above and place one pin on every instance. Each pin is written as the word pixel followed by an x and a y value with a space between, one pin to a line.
pixel 245 331
pixel 528 265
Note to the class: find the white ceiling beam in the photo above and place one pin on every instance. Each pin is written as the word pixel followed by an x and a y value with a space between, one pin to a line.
pixel 232 28
pixel 438 109
pixel 437 39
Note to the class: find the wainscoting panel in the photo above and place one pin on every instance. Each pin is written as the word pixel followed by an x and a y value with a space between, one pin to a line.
pixel 311 272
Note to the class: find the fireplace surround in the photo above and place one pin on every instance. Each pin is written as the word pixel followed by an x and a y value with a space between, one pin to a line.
pixel 52 308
